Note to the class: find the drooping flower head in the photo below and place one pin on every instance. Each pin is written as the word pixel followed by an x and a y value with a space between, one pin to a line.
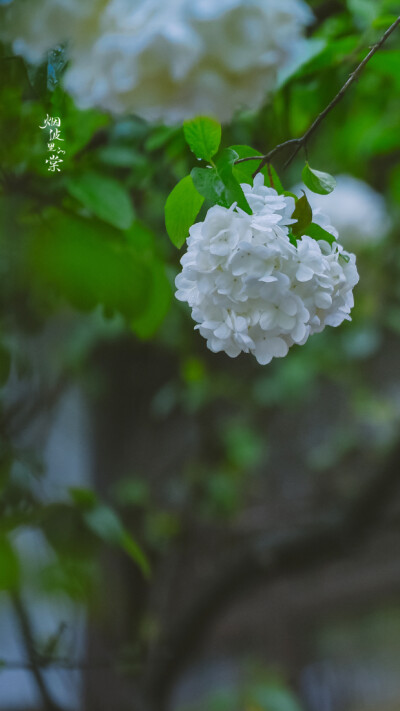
pixel 251 289
pixel 164 60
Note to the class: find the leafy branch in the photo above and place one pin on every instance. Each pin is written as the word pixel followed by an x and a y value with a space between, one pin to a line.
pixel 302 140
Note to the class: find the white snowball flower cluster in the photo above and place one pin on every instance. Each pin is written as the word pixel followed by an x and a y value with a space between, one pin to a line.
pixel 251 290
pixel 359 213
pixel 164 59
pixel 35 27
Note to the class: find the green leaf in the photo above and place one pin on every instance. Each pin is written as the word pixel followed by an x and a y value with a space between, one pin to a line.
pixel 364 11
pixel 5 364
pixel 78 126
pixel 384 21
pixel 336 53
pixel 208 183
pixel 56 61
pixel 218 185
pixel 203 135
pixel 272 696
pixel 104 197
pixel 243 172
pixel 142 241
pixel 160 136
pixel 316 181
pixel 9 565
pixel 105 523
pixel 388 65
pixel 121 156
pixel 181 210
pixel 84 261
pixel 224 165
pixel 272 178
pixel 82 497
pixel 303 214
pixel 309 50
pixel 147 324
pixel 317 232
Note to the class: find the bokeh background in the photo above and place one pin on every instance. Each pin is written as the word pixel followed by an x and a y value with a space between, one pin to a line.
pixel 181 531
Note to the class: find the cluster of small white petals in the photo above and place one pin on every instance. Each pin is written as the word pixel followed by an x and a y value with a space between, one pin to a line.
pixel 251 290
pixel 164 59
pixel 359 213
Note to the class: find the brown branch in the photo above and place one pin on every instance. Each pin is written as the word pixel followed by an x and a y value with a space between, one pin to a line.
pixel 302 140
pixel 268 156
pixel 264 560
pixel 34 663
pixel 65 664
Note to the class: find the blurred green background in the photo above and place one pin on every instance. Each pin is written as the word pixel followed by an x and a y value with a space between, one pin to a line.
pixel 181 531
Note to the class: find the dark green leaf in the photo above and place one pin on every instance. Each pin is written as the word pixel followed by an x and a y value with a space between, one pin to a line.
pixel 121 156
pixel 310 50
pixel 243 172
pixel 78 127
pixel 104 197
pixel 303 214
pixel 316 181
pixel 181 210
pixel 209 184
pixel 317 232
pixel 160 137
pixel 143 242
pixel 218 185
pixel 388 64
pixel 334 54
pixel 83 261
pixel 105 523
pixel 364 11
pixel 9 565
pixel 272 696
pixel 272 178
pixel 83 498
pixel 203 135
pixel 159 301
pixel 5 364
pixel 55 65
pixel 224 165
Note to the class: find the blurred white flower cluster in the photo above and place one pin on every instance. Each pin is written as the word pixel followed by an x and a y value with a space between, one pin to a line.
pixel 251 290
pixel 164 60
pixel 359 213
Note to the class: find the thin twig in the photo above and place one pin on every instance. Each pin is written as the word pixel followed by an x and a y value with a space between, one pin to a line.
pixel 34 665
pixel 352 78
pixel 64 664
pixel 265 159
pixel 302 140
